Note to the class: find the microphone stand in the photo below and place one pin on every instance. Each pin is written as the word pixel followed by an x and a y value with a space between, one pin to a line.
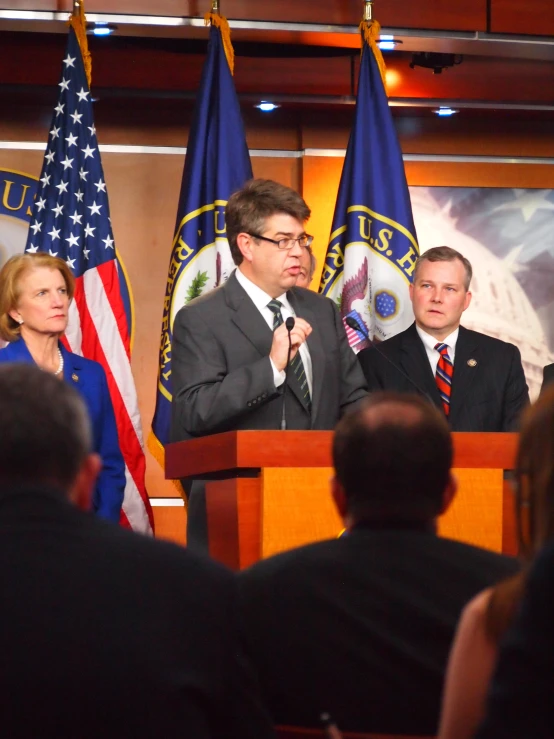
pixel 289 323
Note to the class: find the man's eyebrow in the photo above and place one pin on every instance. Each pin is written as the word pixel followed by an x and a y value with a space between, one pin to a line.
pixel 437 282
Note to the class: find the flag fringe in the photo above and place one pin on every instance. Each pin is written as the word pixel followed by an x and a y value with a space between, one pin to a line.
pixel 78 22
pixel 157 451
pixel 371 31
pixel 220 22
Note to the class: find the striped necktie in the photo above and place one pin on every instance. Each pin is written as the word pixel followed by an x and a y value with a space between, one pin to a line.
pixel 296 362
pixel 443 376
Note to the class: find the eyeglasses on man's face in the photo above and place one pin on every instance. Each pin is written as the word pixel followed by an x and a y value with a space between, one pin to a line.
pixel 303 241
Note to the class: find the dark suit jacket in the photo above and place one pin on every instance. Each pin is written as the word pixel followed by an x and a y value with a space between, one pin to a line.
pixel 547 376
pixel 361 626
pixel 521 696
pixel 107 633
pixel 488 396
pixel 221 372
pixel 89 379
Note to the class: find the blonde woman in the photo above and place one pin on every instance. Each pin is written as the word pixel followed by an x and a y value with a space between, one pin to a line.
pixel 35 293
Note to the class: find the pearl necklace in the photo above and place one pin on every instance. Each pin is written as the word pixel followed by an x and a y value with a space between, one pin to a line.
pixel 60 366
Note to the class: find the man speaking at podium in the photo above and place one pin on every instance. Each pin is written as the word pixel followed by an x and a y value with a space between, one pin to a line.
pixel 233 367
pixel 477 380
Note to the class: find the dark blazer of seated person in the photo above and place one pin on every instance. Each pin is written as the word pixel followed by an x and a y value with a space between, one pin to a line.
pixel 104 633
pixel 547 376
pixel 361 626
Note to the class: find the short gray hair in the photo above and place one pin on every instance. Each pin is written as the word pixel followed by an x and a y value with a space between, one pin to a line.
pixel 45 429
pixel 444 254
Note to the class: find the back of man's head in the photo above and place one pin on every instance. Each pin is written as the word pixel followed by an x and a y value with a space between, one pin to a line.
pixel 45 433
pixel 392 459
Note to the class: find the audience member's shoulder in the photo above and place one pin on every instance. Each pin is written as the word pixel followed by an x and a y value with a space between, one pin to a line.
pixel 468 552
pixel 295 561
pixel 160 556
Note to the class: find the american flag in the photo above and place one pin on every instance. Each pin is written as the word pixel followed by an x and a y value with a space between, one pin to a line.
pixel 71 220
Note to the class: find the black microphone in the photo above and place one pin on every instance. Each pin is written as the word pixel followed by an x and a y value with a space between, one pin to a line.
pixel 289 323
pixel 354 324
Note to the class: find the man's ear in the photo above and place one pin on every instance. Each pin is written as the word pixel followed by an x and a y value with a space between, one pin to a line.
pixel 449 492
pixel 80 493
pixel 339 497
pixel 244 243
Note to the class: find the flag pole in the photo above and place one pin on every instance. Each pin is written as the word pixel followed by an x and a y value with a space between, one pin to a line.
pixel 214 18
pixel 78 22
pixel 371 29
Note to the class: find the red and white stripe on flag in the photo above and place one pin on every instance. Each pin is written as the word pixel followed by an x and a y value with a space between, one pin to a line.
pixel 98 330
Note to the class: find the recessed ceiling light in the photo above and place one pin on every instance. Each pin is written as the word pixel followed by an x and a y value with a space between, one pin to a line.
pixel 102 29
pixel 445 111
pixel 387 43
pixel 266 106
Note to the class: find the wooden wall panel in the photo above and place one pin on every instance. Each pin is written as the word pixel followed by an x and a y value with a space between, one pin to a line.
pixel 476 78
pixel 444 14
pixel 162 66
pixel 535 17
pixel 171 523
pixel 466 134
pixel 120 63
pixel 439 14
pixel 467 174
pixel 142 7
pixel 428 134
pixel 320 186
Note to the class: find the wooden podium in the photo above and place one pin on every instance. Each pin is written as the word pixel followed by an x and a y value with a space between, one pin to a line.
pixel 268 491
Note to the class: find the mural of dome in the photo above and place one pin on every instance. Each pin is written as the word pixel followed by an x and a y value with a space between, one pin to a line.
pixel 500 306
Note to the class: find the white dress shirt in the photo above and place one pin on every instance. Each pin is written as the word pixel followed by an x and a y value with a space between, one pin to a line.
pixel 429 342
pixel 260 300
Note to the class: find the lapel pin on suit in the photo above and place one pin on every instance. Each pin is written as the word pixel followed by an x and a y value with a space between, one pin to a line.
pixel 75 377
pixel 472 363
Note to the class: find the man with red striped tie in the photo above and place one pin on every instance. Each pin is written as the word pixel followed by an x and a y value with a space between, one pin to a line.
pixel 477 380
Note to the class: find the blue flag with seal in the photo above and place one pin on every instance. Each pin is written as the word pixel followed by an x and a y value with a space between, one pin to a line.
pixel 217 163
pixel 373 247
